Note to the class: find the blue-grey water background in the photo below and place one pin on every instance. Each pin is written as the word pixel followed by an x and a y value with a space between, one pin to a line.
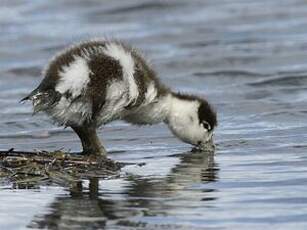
pixel 249 58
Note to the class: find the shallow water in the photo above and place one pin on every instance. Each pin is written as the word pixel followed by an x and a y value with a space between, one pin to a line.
pixel 247 57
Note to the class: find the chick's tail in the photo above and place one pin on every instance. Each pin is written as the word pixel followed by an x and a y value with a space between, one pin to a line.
pixel 42 100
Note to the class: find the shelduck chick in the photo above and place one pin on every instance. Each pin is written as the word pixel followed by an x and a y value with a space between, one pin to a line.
pixel 96 82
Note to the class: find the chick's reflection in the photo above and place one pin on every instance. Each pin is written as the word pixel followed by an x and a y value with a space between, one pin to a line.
pixel 143 197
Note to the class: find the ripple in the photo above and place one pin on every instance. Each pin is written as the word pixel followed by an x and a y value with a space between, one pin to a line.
pixel 33 71
pixel 248 57
pixel 142 6
pixel 229 73
pixel 289 80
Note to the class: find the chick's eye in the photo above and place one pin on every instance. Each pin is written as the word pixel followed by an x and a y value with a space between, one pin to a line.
pixel 206 125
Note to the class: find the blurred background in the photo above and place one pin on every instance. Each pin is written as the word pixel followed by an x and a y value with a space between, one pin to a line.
pixel 248 58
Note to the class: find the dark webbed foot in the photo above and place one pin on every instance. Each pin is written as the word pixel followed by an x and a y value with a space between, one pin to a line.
pixel 89 140
pixel 101 151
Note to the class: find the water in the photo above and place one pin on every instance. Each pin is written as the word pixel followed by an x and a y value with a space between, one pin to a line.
pixel 247 57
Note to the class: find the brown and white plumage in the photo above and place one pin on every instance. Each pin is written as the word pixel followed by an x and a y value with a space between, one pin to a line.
pixel 96 82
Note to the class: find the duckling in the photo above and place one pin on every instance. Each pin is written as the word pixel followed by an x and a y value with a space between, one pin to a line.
pixel 95 82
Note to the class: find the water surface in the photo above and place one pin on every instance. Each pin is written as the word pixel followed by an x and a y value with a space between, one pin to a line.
pixel 249 58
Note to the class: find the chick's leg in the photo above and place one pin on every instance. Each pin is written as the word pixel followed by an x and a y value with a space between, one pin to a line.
pixel 89 140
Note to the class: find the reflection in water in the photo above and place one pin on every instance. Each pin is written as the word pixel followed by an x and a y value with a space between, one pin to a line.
pixel 248 57
pixel 194 167
pixel 144 197
pixel 80 209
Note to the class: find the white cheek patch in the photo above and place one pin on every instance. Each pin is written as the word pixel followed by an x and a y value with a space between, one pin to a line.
pixel 189 133
pixel 204 135
pixel 184 121
pixel 196 131
pixel 74 77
